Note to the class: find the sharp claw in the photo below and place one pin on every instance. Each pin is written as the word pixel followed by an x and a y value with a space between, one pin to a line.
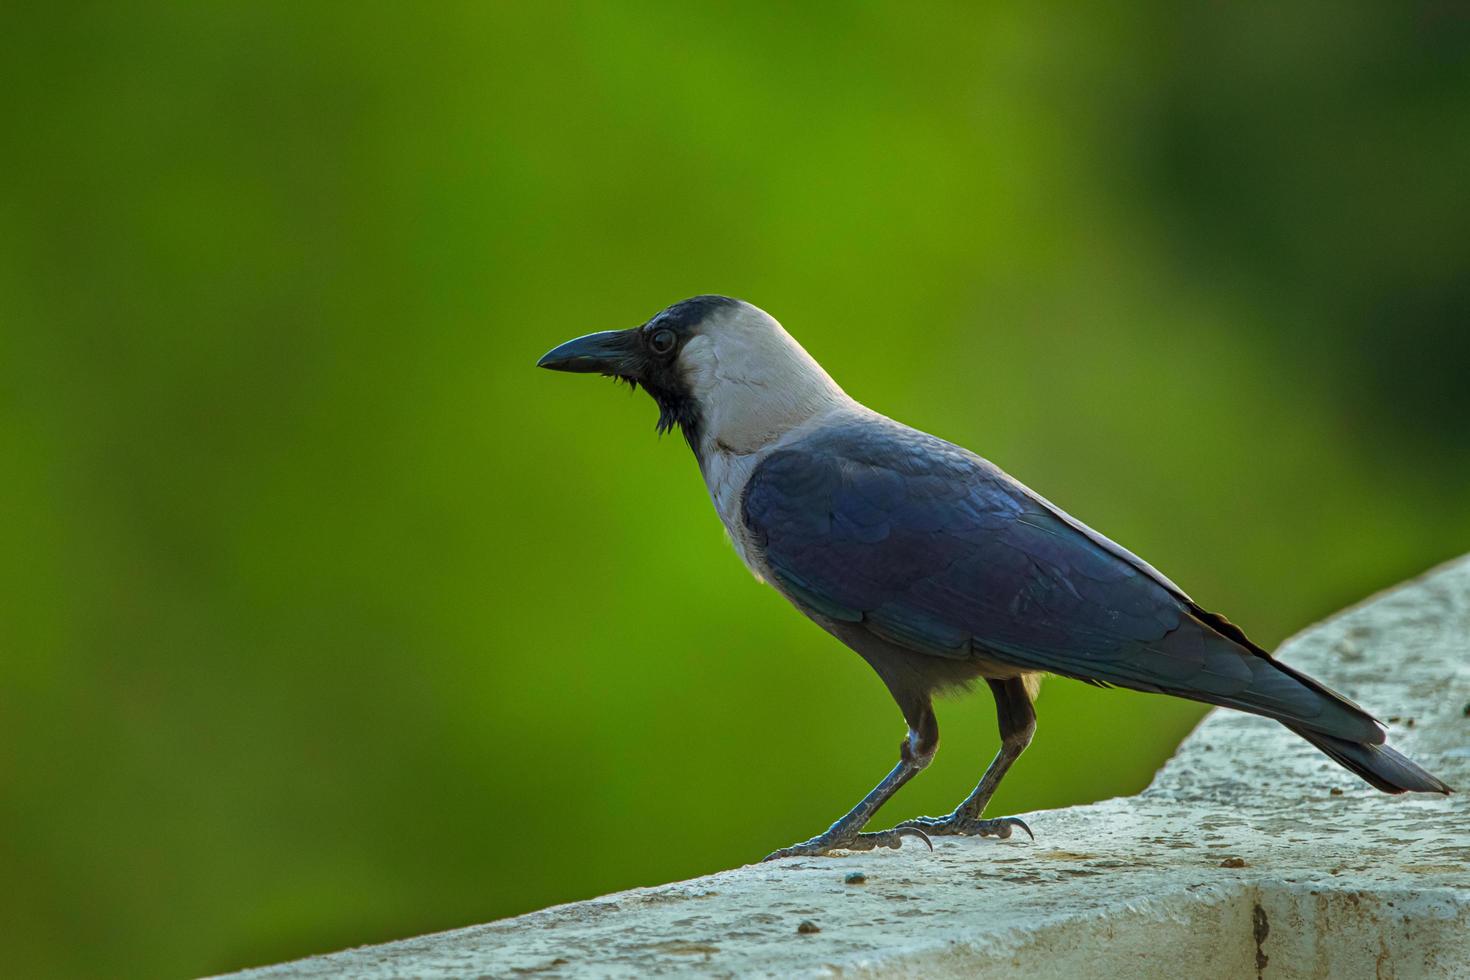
pixel 999 827
pixel 1002 828
pixel 903 832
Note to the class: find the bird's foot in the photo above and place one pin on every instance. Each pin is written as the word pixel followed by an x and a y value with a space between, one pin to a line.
pixel 828 842
pixel 960 825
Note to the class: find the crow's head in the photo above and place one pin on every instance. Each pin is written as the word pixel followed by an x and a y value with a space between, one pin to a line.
pixel 720 369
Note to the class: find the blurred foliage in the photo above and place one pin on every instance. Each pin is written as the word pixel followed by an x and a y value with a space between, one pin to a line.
pixel 327 619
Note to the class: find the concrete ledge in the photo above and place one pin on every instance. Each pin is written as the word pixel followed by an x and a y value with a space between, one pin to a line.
pixel 1250 854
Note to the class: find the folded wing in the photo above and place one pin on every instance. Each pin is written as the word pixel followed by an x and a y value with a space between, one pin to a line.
pixel 934 549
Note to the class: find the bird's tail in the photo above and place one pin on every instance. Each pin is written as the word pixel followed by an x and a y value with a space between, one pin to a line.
pixel 1383 766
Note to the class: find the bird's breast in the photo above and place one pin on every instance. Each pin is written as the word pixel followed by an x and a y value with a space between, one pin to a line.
pixel 728 466
pixel 725 475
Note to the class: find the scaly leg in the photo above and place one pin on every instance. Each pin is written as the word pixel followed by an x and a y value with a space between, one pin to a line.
pixel 915 753
pixel 1017 720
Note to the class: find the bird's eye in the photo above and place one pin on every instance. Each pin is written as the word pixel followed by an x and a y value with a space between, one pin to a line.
pixel 662 341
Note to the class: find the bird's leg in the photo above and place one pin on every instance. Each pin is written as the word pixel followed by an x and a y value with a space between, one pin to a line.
pixel 915 752
pixel 1017 720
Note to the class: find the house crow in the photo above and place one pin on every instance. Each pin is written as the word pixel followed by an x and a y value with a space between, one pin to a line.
pixel 937 568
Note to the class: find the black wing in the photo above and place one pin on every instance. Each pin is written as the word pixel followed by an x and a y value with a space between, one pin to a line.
pixel 934 549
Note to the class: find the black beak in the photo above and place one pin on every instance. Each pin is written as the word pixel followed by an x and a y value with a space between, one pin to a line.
pixel 608 352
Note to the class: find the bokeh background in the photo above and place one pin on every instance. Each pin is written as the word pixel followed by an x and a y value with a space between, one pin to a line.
pixel 326 619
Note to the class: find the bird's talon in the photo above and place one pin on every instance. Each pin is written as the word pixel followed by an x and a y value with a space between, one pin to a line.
pixel 825 845
pixel 959 826
pixel 913 832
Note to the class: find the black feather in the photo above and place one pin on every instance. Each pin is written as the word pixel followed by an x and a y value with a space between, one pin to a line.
pixel 936 551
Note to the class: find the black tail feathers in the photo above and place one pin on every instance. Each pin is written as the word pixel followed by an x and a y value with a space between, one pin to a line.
pixel 1381 765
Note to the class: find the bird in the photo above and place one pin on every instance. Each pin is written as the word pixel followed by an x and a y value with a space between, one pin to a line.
pixel 936 567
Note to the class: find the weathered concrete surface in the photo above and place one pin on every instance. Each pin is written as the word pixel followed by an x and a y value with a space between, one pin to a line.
pixel 1251 854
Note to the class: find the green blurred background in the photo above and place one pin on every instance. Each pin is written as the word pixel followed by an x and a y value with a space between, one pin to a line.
pixel 327 619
